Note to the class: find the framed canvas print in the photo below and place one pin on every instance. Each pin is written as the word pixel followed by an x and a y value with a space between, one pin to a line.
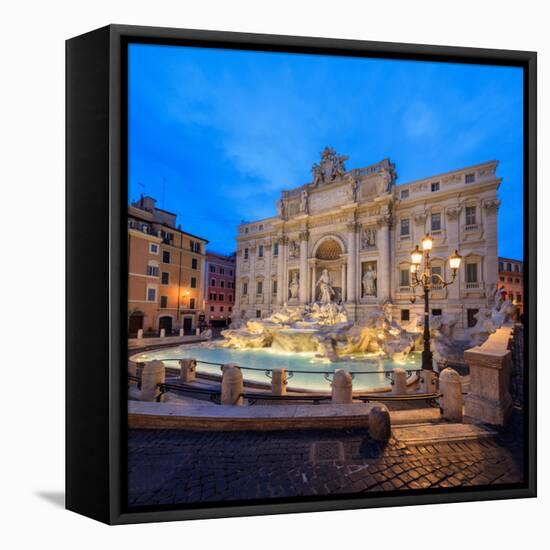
pixel 301 274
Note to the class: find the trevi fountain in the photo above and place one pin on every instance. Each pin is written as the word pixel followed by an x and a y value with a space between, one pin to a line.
pixel 313 340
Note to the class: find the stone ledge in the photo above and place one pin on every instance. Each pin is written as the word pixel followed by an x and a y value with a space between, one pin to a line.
pixel 200 417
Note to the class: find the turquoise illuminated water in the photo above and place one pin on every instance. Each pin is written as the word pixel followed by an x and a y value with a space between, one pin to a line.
pixel 266 358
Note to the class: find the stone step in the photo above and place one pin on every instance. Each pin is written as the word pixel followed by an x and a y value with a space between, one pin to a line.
pixel 440 432
pixel 415 416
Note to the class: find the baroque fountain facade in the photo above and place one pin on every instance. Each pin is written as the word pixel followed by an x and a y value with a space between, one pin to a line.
pixel 330 273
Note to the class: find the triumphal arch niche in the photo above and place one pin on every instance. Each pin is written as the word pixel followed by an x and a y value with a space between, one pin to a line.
pixel 355 228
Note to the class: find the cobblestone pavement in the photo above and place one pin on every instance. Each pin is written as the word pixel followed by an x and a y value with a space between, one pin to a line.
pixel 175 467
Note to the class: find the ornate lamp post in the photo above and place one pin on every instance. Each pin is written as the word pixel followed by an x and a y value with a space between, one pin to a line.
pixel 426 279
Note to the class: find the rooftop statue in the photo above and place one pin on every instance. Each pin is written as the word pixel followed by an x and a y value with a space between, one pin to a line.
pixel 329 168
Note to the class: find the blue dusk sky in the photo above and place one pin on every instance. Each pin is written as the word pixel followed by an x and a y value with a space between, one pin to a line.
pixel 215 135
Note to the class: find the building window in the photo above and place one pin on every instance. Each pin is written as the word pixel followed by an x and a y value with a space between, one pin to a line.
pixel 404 277
pixel 165 278
pixel 212 297
pixel 246 229
pixel 164 301
pixel 152 271
pixel 245 288
pixel 165 257
pixel 518 297
pixel 510 280
pixel 261 227
pixel 471 273
pixel 471 314
pixel 274 287
pixel 221 309
pixel 231 273
pixel 211 308
pixel 404 193
pixel 437 312
pixel 511 296
pixel 258 313
pixel 222 283
pixel 435 186
pixel 502 279
pixel 405 315
pixel 517 280
pixel 470 178
pixel 193 282
pixel 516 268
pixel 153 248
pixel 212 269
pixel 509 267
pixel 275 249
pixel 192 303
pixel 405 227
pixel 212 282
pixel 500 266
pixel 220 297
pixel 151 294
pixel 436 222
pixel 222 271
pixel 436 270
pixel 231 297
pixel 471 215
pixel 259 287
pixel 261 251
pixel 193 263
pixel 246 253
pixel 230 309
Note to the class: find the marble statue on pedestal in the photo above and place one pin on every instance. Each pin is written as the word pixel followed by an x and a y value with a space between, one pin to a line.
pixel 369 282
pixel 327 292
pixel 294 286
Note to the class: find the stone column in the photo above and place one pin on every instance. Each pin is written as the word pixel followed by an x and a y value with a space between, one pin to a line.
pixel 489 399
pixel 344 289
pixel 312 282
pixel 232 385
pixel 268 283
pixel 304 237
pixel 399 381
pixel 152 375
pixel 281 268
pixel 352 262
pixel 342 387
pixel 490 268
pixel 188 369
pixel 450 388
pixel 453 240
pixel 278 382
pixel 384 269
pixel 379 422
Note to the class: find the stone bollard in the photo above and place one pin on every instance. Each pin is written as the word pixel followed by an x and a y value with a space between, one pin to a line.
pixel 181 332
pixel 140 334
pixel 188 369
pixel 153 373
pixel 428 381
pixel 198 331
pixel 342 387
pixel 399 381
pixel 162 332
pixel 232 385
pixel 278 381
pixel 132 371
pixel 379 423
pixel 451 395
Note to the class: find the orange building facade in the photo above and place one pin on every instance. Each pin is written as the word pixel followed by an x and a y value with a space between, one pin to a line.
pixel 165 274
pixel 510 276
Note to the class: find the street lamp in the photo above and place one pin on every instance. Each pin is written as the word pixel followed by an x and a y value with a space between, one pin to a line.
pixel 425 279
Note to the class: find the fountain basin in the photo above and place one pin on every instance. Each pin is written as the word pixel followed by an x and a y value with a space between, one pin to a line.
pixel 311 367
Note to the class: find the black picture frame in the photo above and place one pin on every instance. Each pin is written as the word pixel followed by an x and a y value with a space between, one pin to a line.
pixel 96 272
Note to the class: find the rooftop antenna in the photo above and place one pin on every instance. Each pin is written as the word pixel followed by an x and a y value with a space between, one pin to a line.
pixel 141 194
